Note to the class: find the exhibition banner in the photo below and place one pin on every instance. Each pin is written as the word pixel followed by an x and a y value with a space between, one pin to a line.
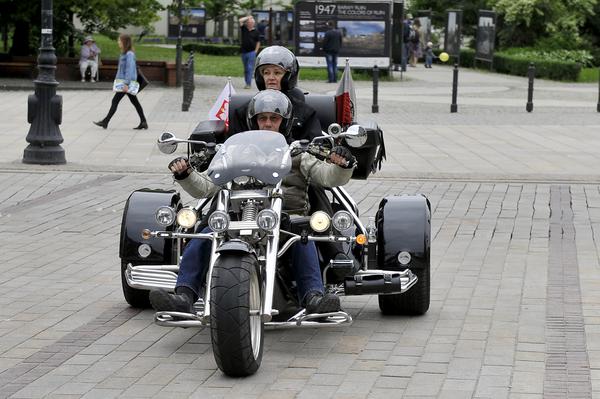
pixel 486 35
pixel 452 37
pixel 194 23
pixel 365 28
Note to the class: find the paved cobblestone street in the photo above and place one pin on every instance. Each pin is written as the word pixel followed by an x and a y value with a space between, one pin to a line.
pixel 515 306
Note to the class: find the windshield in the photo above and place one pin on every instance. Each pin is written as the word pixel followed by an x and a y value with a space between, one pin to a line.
pixel 257 153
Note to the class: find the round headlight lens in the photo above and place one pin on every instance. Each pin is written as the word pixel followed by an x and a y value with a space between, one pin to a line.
pixel 218 221
pixel 165 216
pixel 241 180
pixel 342 220
pixel 267 219
pixel 187 218
pixel 320 221
pixel 404 258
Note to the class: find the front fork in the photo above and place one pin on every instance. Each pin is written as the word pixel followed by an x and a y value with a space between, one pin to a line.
pixel 270 266
pixel 270 262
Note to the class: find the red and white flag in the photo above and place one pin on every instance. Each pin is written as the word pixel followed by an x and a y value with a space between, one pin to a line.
pixel 220 110
pixel 345 98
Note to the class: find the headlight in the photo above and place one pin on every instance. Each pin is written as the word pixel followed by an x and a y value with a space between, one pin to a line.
pixel 165 216
pixel 404 258
pixel 241 180
pixel 187 218
pixel 320 221
pixel 218 221
pixel 342 220
pixel 267 219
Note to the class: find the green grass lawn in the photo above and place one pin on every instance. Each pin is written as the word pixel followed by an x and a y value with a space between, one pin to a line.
pixel 204 64
pixel 588 75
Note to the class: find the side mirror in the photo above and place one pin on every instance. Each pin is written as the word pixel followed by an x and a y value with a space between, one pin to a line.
pixel 355 136
pixel 356 131
pixel 167 143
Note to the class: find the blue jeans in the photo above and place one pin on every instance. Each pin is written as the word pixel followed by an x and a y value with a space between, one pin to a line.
pixel 248 61
pixel 428 60
pixel 305 266
pixel 331 60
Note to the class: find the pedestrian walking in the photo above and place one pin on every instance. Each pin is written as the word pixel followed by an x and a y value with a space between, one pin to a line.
pixel 332 43
pixel 414 43
pixel 125 83
pixel 250 44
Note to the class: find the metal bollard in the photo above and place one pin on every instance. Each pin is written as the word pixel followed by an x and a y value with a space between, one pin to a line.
pixel 188 84
pixel 598 105
pixel 375 107
pixel 531 75
pixel 454 106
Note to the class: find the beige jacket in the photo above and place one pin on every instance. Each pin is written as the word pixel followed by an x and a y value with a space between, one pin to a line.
pixel 306 169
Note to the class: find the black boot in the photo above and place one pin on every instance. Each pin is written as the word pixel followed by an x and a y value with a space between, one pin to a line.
pixel 315 302
pixel 181 301
pixel 103 123
pixel 142 125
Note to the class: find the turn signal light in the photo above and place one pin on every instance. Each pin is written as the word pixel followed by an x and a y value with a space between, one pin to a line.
pixel 361 239
pixel 146 234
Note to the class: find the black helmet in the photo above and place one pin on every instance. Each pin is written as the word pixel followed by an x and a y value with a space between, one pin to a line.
pixel 270 101
pixel 282 57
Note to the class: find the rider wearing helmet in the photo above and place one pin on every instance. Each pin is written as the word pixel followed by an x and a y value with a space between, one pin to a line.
pixel 270 102
pixel 277 68
pixel 268 110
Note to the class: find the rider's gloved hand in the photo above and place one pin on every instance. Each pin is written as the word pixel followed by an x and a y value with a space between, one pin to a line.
pixel 342 156
pixel 180 168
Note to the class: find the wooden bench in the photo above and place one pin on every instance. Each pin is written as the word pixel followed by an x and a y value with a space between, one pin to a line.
pixel 18 69
pixel 67 68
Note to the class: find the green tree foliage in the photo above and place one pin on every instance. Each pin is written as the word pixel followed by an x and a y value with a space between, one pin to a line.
pixel 528 21
pixel 439 8
pixel 22 17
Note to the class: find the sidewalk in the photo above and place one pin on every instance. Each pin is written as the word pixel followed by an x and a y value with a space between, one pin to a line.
pixel 491 137
pixel 515 271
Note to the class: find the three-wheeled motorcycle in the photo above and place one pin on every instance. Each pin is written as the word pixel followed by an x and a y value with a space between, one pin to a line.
pixel 248 281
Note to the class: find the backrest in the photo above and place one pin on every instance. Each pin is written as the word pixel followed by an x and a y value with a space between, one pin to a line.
pixel 324 105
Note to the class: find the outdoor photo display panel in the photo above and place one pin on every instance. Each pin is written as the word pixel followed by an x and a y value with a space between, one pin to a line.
pixel 365 27
pixel 486 35
pixel 424 17
pixel 194 23
pixel 282 25
pixel 452 37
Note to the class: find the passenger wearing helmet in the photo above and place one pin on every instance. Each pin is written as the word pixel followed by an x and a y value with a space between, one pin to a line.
pixel 277 68
pixel 268 110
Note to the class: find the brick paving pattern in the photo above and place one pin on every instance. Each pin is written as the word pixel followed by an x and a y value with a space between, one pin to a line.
pixel 515 305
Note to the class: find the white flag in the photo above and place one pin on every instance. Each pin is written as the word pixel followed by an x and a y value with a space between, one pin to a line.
pixel 220 110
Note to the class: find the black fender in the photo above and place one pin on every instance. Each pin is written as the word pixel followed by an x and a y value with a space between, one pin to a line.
pixel 139 215
pixel 236 246
pixel 403 224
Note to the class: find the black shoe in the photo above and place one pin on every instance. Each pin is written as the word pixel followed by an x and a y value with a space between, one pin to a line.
pixel 142 125
pixel 316 302
pixel 163 301
pixel 102 124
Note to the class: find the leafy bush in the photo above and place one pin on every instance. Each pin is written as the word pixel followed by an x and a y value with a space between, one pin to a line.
pixel 213 49
pixel 550 68
pixel 583 57
pixel 467 57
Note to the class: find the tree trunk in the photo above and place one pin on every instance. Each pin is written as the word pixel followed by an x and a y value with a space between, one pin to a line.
pixel 20 44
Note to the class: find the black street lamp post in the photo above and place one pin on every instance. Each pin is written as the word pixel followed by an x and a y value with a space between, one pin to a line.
pixel 178 49
pixel 44 108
